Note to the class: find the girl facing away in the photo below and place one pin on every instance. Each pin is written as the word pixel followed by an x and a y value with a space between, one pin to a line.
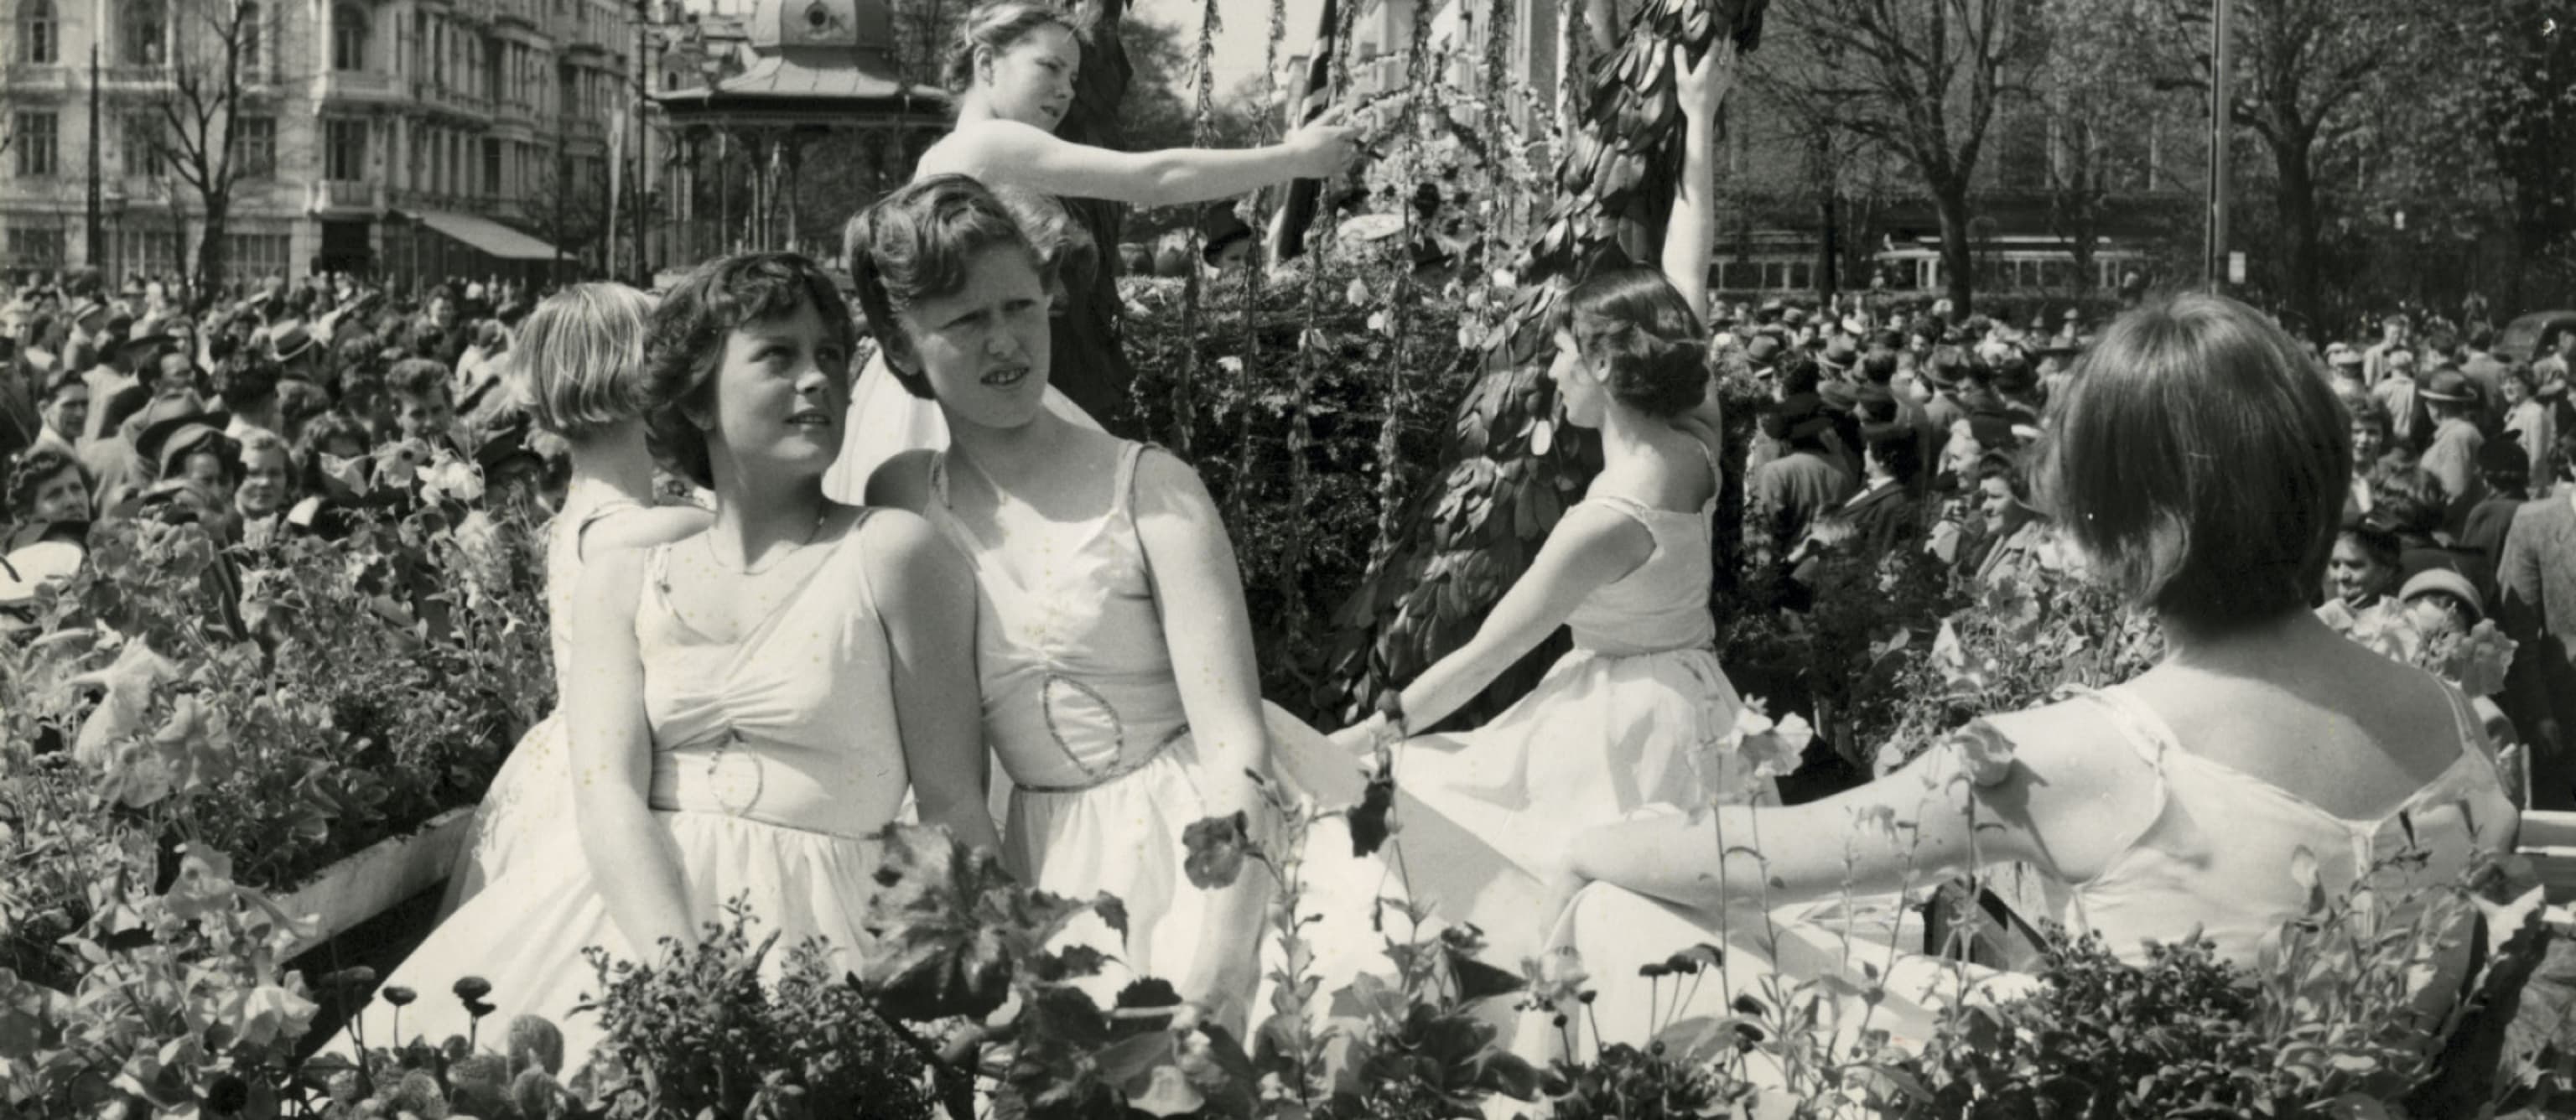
pixel 751 701
pixel 1639 712
pixel 579 371
pixel 2174 804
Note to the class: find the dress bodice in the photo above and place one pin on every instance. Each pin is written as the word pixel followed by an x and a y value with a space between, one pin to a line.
pixel 584 504
pixel 1077 678
pixel 2217 851
pixel 1663 603
pixel 793 724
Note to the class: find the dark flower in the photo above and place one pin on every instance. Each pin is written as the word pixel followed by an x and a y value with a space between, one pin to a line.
pixel 398 995
pixel 471 988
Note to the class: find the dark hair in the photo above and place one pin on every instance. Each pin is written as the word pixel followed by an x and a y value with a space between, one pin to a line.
pixel 418 377
pixel 2201 461
pixel 246 384
pixel 994 27
pixel 1880 369
pixel 120 406
pixel 2008 467
pixel 62 379
pixel 2411 501
pixel 1634 327
pixel 1897 447
pixel 2482 337
pixel 1799 375
pixel 686 342
pixel 34 470
pixel 913 245
pixel 2376 542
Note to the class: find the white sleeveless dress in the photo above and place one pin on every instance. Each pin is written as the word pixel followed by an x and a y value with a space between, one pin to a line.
pixel 530 799
pixel 2214 856
pixel 1636 715
pixel 775 760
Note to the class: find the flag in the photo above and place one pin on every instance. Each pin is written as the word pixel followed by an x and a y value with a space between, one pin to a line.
pixel 1307 100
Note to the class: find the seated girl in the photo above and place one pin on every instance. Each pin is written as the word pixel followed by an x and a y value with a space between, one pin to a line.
pixel 2170 805
pixel 749 702
pixel 1638 712
pixel 579 369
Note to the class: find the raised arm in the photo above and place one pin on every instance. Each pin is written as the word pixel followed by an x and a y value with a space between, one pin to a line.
pixel 631 856
pixel 928 602
pixel 1209 631
pixel 1008 153
pixel 1692 228
pixel 1590 546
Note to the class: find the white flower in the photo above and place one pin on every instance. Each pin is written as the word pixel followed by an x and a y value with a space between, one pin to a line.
pixel 451 478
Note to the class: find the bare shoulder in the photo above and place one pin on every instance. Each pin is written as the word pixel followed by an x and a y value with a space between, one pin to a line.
pixel 1163 477
pixel 642 527
pixel 902 482
pixel 979 147
pixel 610 581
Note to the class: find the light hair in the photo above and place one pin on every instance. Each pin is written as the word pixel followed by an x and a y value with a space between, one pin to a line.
pixel 995 27
pixel 2201 461
pixel 578 361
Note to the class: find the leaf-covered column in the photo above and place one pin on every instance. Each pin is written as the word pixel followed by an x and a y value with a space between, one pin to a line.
pixel 1510 469
pixel 1090 362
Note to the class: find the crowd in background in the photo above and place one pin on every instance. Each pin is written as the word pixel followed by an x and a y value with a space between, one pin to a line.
pixel 1888 431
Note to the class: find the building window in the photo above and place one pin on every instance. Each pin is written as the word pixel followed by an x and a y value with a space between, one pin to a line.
pixel 146 26
pixel 344 152
pixel 492 169
pixel 35 246
pixel 34 144
pixel 250 39
pixel 143 145
pixel 37 18
pixel 257 254
pixel 255 147
pixel 348 38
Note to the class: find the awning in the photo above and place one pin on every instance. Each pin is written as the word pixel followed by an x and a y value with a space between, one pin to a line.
pixel 490 237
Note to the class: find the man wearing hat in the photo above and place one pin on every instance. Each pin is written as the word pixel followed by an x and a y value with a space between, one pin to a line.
pixel 115 359
pixel 2453 455
pixel 117 463
pixel 1803 482
pixel 1839 358
pixel 89 321
pixel 2507 472
pixel 292 347
pixel 65 408
pixel 248 390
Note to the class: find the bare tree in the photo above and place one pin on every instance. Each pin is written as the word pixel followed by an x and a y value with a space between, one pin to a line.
pixel 212 51
pixel 2305 72
pixel 1923 78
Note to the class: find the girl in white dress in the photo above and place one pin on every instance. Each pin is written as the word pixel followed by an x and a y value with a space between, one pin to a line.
pixel 751 701
pixel 1013 75
pixel 2188 798
pixel 1639 713
pixel 1119 685
pixel 579 369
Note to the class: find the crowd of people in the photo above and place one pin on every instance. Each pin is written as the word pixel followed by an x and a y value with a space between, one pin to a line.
pixel 904 571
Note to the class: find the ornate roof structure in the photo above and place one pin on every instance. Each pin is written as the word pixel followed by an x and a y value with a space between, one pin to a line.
pixel 813 62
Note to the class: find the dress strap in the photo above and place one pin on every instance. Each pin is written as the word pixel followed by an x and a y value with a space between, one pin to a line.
pixel 1123 493
pixel 939 475
pixel 2138 725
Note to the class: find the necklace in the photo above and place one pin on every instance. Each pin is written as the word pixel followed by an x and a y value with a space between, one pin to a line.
pixel 775 561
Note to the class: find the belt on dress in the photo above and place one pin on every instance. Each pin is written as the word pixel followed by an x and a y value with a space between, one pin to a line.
pixel 1115 771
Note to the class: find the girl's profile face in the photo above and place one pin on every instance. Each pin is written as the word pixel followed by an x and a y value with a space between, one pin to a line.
pixel 782 387
pixel 985 348
pixel 1031 81
pixel 2353 577
pixel 1575 383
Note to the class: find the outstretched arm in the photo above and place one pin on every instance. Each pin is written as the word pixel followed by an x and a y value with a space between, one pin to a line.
pixel 1692 229
pixel 1008 153
pixel 1590 547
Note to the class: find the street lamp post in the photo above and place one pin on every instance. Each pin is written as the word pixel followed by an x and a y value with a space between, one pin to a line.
pixel 2221 105
pixel 112 203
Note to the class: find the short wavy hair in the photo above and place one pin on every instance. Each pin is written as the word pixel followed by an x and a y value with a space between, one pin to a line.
pixel 34 470
pixel 994 27
pixel 578 364
pixel 914 245
pixel 2201 461
pixel 686 342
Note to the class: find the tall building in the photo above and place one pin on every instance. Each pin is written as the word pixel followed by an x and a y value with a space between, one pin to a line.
pixel 413 139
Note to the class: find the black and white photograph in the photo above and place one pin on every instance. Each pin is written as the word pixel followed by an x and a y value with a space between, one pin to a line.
pixel 1287 559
